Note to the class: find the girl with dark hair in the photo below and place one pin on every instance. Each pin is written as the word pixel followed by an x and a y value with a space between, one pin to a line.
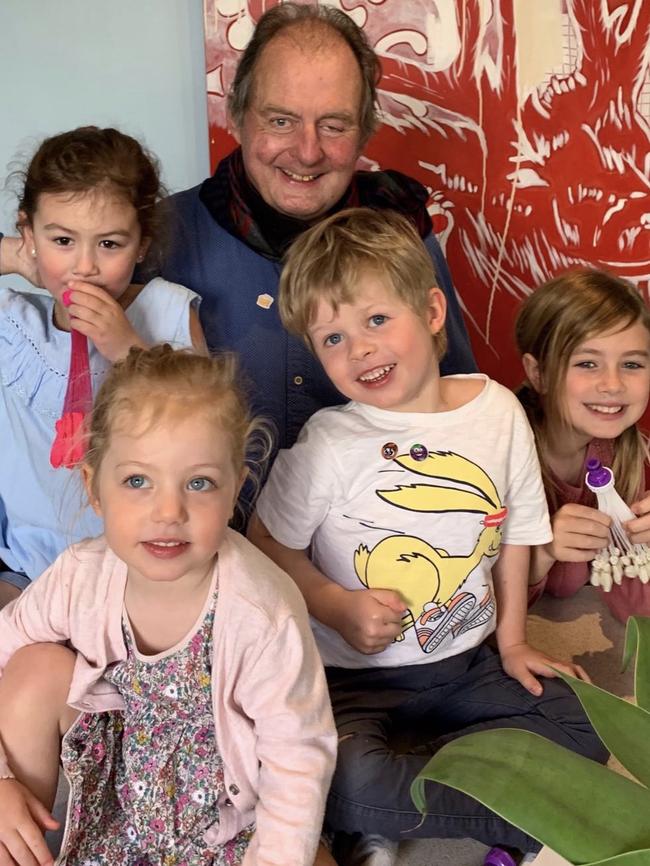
pixel 88 210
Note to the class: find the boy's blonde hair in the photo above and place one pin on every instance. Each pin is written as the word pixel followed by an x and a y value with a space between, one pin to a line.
pixel 158 381
pixel 325 263
pixel 551 324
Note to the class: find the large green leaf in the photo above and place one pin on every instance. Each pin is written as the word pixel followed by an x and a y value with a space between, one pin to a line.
pixel 577 807
pixel 634 858
pixel 637 640
pixel 623 728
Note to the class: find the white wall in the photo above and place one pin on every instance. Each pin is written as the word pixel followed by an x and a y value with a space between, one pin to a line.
pixel 134 64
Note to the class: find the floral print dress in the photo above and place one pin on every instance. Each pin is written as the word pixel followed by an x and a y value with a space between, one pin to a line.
pixel 144 782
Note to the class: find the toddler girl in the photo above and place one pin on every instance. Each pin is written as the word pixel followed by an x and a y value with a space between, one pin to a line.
pixel 88 211
pixel 584 338
pixel 196 719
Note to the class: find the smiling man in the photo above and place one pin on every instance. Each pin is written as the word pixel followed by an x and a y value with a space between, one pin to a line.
pixel 302 107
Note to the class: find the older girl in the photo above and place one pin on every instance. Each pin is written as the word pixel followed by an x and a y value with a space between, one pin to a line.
pixel 584 339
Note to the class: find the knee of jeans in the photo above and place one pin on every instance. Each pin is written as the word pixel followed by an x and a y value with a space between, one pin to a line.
pixel 568 713
pixel 596 750
pixel 360 763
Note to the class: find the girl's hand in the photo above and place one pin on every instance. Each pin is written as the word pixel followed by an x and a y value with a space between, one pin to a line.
pixel 23 820
pixel 15 258
pixel 371 619
pixel 579 532
pixel 96 314
pixel 522 662
pixel 639 528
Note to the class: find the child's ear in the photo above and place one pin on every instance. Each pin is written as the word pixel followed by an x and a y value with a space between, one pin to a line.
pixel 145 243
pixel 87 476
pixel 533 374
pixel 436 310
pixel 26 230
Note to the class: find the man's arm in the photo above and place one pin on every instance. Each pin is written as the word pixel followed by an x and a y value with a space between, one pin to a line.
pixel 16 259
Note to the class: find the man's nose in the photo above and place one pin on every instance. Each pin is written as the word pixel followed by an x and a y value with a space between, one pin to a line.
pixel 307 146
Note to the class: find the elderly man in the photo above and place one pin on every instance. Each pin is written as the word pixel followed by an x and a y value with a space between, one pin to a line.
pixel 302 107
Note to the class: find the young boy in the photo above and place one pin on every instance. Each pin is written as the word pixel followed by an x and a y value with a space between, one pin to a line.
pixel 406 517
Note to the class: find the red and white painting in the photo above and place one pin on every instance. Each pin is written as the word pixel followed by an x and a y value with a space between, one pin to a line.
pixel 529 122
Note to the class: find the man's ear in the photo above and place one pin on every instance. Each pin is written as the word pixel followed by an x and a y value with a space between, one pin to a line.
pixel 87 476
pixel 533 374
pixel 436 310
pixel 233 127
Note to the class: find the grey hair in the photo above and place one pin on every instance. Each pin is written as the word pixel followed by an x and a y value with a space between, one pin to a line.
pixel 278 19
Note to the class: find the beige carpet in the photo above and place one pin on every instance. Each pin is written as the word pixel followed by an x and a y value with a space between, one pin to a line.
pixel 580 628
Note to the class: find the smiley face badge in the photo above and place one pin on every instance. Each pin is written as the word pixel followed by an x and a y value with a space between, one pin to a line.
pixel 419 452
pixel 388 450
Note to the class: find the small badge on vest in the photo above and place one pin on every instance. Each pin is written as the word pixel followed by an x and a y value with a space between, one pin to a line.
pixel 264 301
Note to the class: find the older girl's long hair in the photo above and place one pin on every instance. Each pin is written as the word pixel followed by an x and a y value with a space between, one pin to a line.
pixel 552 323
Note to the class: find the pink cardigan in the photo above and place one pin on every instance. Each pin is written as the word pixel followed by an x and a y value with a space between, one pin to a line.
pixel 566 578
pixel 271 707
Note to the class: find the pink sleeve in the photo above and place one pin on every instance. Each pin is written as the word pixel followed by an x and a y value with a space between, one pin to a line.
pixel 564 579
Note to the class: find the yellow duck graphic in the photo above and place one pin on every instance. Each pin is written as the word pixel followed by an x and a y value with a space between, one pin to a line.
pixel 429 578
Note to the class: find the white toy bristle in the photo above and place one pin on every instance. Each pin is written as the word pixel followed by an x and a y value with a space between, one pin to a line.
pixel 620 559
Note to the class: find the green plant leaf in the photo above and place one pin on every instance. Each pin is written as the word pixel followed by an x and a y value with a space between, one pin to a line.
pixel 634 858
pixel 623 727
pixel 577 807
pixel 637 641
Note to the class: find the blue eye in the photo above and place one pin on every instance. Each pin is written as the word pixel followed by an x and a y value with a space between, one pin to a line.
pixel 332 340
pixel 379 319
pixel 136 482
pixel 200 485
pixel 281 124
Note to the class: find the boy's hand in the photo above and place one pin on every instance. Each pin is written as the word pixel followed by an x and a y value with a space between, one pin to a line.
pixel 639 528
pixel 579 532
pixel 23 820
pixel 522 662
pixel 96 314
pixel 371 619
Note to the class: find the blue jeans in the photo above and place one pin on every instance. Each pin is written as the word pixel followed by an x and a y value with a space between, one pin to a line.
pixel 391 720
pixel 15 578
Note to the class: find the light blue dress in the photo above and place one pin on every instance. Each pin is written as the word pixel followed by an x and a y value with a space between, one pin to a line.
pixel 43 510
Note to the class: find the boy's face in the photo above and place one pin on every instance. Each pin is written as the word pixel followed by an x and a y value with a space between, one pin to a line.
pixel 379 351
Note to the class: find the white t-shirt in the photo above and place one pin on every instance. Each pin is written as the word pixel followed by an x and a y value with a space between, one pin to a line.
pixel 412 502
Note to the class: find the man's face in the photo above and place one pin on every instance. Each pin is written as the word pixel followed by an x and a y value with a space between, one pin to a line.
pixel 300 136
